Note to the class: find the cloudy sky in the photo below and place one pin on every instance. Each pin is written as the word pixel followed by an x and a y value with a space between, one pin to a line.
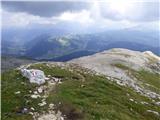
pixel 111 14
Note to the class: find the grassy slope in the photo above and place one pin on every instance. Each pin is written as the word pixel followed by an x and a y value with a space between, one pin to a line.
pixel 152 79
pixel 94 98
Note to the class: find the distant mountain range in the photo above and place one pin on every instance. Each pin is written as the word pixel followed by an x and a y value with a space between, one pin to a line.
pixel 69 46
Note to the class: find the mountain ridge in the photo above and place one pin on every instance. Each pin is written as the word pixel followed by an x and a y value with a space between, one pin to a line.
pixel 51 46
pixel 120 65
pixel 106 85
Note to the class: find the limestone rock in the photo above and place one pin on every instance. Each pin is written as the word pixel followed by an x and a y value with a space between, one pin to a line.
pixel 34 75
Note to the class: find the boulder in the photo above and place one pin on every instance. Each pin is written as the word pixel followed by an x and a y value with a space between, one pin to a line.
pixel 34 75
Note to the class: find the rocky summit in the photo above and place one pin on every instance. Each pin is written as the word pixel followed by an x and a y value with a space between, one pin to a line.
pixel 123 65
pixel 118 84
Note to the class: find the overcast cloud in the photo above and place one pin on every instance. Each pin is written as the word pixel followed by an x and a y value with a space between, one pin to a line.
pixel 86 13
pixel 44 9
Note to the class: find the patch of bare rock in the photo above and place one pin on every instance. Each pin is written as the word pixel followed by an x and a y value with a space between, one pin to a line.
pixel 104 63
pixel 42 91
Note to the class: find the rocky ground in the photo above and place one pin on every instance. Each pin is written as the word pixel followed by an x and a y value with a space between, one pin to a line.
pixel 115 84
pixel 121 65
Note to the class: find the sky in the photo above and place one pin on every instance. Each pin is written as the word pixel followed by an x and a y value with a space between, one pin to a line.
pixel 104 14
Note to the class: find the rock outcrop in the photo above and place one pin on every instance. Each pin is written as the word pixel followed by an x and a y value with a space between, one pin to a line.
pixel 34 76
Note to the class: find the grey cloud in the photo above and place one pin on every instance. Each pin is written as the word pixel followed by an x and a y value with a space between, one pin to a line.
pixel 148 11
pixel 142 11
pixel 44 9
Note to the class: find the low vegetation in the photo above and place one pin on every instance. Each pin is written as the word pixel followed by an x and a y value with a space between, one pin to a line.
pixel 150 80
pixel 80 96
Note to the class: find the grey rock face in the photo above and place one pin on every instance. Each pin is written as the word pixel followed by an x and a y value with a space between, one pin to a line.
pixel 34 76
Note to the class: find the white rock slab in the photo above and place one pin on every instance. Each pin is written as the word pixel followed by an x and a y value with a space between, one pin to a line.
pixel 34 75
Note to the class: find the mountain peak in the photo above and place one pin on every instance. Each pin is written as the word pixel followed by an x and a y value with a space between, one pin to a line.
pixel 151 54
